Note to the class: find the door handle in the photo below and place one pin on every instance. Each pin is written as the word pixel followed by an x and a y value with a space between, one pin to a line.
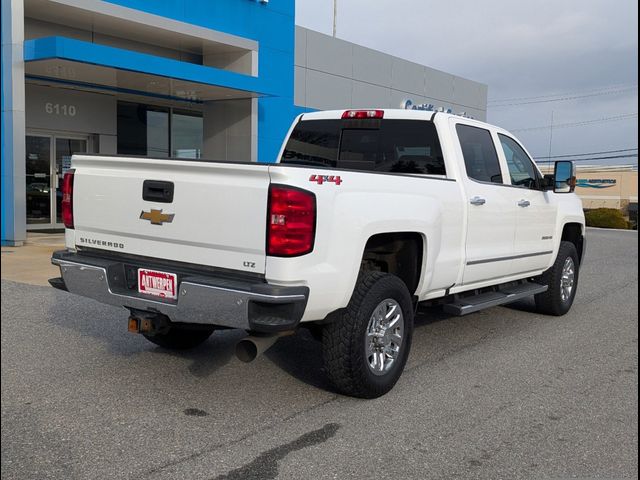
pixel 524 203
pixel 477 201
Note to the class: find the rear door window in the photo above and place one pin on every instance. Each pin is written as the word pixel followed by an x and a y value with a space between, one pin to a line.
pixel 479 152
pixel 396 146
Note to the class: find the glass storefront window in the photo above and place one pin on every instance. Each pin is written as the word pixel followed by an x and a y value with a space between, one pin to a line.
pixel 158 132
pixel 186 135
pixel 48 158
pixel 38 150
pixel 132 129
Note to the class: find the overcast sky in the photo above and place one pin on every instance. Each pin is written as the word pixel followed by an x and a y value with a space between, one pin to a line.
pixel 541 48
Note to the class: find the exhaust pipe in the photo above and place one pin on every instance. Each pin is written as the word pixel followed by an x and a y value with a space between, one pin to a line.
pixel 248 349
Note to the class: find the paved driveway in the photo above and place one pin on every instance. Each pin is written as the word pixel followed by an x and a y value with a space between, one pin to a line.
pixel 504 393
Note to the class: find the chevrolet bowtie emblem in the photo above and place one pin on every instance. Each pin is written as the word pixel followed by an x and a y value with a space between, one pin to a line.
pixel 156 217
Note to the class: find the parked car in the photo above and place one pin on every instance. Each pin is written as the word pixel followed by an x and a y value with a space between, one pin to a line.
pixel 366 214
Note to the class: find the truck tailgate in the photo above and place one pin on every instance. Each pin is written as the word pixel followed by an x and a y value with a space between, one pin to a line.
pixel 217 216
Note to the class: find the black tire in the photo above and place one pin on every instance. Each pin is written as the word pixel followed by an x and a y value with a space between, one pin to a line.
pixel 181 337
pixel 316 331
pixel 551 301
pixel 344 348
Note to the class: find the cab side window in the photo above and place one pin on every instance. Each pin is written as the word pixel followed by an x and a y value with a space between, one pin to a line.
pixel 479 152
pixel 521 170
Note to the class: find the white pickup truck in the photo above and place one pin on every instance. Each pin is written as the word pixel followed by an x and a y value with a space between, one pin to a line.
pixel 366 214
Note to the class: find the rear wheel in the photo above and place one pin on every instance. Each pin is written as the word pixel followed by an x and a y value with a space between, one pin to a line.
pixel 181 337
pixel 366 350
pixel 562 280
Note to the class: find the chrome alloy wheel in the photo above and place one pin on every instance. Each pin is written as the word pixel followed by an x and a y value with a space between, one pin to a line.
pixel 567 280
pixel 384 336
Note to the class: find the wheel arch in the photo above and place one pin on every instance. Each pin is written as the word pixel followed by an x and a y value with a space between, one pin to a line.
pixel 574 232
pixel 398 253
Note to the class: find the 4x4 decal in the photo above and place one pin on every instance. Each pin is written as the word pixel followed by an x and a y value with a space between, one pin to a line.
pixel 320 179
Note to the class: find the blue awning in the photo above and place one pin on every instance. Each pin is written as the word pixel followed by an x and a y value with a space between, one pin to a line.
pixel 62 59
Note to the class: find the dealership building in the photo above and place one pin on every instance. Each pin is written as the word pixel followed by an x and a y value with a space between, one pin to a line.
pixel 606 186
pixel 219 80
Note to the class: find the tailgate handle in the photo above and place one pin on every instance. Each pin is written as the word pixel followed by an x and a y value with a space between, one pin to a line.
pixel 157 191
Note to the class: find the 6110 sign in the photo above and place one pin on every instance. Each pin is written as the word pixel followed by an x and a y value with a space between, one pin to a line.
pixel 60 109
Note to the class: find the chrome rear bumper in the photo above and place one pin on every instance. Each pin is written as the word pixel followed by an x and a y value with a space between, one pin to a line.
pixel 202 299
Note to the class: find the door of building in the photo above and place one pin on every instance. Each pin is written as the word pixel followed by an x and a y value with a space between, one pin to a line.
pixel 48 157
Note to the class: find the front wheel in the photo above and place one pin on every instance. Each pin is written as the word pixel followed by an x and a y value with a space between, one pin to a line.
pixel 562 280
pixel 366 350
pixel 181 337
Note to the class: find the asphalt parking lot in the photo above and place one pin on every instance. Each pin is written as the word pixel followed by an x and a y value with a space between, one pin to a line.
pixel 503 393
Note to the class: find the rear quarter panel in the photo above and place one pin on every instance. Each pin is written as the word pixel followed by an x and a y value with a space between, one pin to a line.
pixel 362 205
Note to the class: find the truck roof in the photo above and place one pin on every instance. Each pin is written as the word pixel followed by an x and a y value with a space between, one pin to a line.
pixel 389 113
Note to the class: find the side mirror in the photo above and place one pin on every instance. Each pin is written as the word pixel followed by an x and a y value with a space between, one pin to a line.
pixel 564 176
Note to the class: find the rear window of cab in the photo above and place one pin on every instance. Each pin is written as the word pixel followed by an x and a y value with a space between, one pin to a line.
pixel 372 145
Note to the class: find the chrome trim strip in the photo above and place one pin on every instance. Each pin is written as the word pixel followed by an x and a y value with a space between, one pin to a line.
pixel 83 231
pixel 514 257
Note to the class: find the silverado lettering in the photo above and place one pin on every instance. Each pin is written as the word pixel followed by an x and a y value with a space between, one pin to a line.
pixel 103 243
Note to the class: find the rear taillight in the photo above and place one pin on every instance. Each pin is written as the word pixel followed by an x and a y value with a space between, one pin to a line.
pixel 291 221
pixel 360 114
pixel 67 199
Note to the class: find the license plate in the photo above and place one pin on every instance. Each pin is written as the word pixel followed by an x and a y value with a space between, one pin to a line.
pixel 158 284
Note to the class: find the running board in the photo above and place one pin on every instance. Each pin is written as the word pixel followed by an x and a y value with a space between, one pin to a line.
pixel 507 294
